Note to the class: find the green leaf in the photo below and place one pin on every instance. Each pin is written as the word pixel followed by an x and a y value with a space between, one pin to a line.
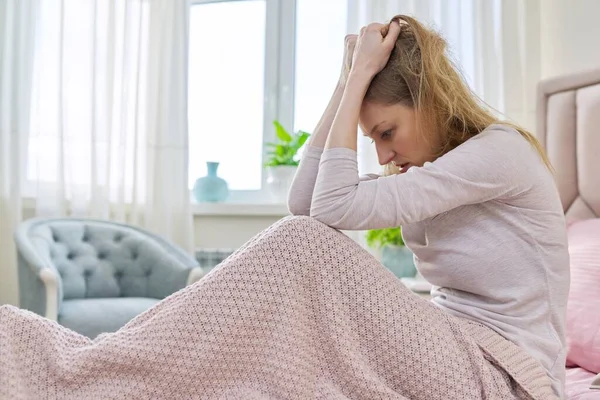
pixel 302 138
pixel 281 132
pixel 285 150
pixel 382 237
pixel 299 140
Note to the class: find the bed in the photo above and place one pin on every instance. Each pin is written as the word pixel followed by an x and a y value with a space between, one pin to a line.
pixel 568 127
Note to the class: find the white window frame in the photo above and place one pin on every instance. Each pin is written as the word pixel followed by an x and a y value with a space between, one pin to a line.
pixel 280 51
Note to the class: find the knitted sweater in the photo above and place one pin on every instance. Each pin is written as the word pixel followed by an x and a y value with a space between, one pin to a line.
pixel 484 221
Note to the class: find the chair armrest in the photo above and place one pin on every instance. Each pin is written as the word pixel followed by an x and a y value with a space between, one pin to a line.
pixel 50 279
pixel 40 285
pixel 195 275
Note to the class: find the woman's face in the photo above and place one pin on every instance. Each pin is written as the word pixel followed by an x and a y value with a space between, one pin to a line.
pixel 394 133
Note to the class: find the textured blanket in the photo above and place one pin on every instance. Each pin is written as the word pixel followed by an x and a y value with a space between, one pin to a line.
pixel 300 312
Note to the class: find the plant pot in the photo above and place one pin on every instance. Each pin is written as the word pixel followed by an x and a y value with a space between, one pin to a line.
pixel 279 180
pixel 399 260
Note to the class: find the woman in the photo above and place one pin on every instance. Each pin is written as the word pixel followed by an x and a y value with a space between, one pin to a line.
pixel 475 197
pixel 302 312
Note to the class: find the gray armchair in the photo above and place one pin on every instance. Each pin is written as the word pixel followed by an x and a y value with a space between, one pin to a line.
pixel 94 276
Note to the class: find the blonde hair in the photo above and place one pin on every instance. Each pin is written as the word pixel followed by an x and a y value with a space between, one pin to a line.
pixel 420 74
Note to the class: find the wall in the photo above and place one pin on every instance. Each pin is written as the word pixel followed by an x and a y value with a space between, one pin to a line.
pixel 228 231
pixel 570 36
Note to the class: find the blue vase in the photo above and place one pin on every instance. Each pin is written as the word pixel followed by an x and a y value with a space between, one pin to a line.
pixel 399 260
pixel 211 188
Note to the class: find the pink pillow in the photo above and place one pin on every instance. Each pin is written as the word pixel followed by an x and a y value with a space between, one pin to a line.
pixel 583 308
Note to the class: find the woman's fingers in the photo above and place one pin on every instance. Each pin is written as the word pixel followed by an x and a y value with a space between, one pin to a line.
pixel 350 40
pixel 349 46
pixel 390 37
pixel 375 26
pixel 373 46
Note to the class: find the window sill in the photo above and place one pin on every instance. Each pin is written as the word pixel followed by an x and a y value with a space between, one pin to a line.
pixel 217 209
pixel 239 209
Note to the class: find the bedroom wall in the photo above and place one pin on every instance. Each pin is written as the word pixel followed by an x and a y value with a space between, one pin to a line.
pixel 228 231
pixel 570 32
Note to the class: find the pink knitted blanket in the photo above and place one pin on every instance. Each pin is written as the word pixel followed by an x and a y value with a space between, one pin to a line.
pixel 300 312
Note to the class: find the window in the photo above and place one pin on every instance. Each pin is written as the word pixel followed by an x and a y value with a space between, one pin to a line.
pixel 226 90
pixel 320 33
pixel 251 62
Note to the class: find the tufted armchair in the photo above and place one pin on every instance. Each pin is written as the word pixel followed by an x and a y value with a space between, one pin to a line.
pixel 94 276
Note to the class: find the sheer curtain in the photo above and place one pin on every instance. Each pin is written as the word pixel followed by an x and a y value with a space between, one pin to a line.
pixel 496 44
pixel 17 35
pixel 109 125
pixel 94 115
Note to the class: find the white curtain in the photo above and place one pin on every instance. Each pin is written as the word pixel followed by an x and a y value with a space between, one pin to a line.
pixel 17 35
pixel 101 129
pixel 109 120
pixel 496 44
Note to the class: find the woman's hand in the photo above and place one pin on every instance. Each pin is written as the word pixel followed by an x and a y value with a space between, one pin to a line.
pixel 373 48
pixel 349 45
pixel 372 51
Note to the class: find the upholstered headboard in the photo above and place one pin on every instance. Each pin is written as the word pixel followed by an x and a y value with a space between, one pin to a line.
pixel 568 126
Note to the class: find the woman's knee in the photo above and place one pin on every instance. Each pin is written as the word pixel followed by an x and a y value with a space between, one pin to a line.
pixel 304 227
pixel 305 238
pixel 300 222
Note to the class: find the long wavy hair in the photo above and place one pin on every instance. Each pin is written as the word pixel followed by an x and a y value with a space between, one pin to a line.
pixel 419 74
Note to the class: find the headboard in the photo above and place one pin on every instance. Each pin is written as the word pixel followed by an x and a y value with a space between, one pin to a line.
pixel 568 126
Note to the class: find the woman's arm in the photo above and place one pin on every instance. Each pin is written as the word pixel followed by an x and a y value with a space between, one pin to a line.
pixel 496 165
pixel 491 166
pixel 301 191
pixel 319 138
pixel 300 195
pixel 373 49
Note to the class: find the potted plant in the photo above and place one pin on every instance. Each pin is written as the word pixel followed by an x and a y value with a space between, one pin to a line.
pixel 395 256
pixel 282 161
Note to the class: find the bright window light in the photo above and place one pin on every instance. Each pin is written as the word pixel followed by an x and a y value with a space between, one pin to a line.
pixel 226 91
pixel 320 33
